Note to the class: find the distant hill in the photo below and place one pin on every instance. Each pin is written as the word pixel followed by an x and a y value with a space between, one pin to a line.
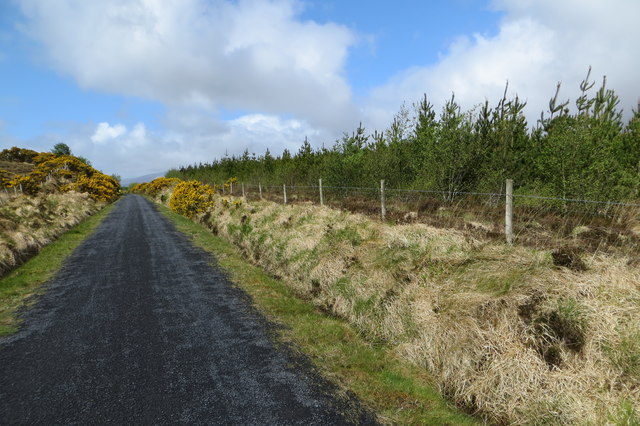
pixel 142 179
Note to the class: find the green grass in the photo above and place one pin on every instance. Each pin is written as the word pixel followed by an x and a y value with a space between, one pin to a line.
pixel 399 393
pixel 18 286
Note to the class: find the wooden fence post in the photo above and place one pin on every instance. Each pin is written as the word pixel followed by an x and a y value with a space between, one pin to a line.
pixel 508 219
pixel 383 207
pixel 260 189
pixel 320 187
pixel 284 191
pixel 231 188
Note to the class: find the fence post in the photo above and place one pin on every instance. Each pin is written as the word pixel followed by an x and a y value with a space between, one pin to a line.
pixel 260 189
pixel 284 191
pixel 242 190
pixel 231 188
pixel 321 198
pixel 383 207
pixel 508 219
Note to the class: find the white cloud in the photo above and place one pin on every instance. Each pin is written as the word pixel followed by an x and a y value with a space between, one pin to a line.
pixel 287 76
pixel 538 44
pixel 139 132
pixel 194 138
pixel 104 132
pixel 259 132
pixel 252 55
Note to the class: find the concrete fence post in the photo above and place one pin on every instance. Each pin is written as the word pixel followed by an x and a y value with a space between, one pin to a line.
pixel 383 207
pixel 260 189
pixel 284 192
pixel 320 188
pixel 508 218
pixel 231 188
pixel 243 195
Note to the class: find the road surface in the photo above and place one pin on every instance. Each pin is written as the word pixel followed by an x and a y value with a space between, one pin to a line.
pixel 138 327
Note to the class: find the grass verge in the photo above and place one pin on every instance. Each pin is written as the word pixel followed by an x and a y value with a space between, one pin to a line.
pixel 17 287
pixel 399 393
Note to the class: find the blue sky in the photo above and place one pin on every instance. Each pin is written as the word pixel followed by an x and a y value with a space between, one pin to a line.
pixel 139 86
pixel 401 34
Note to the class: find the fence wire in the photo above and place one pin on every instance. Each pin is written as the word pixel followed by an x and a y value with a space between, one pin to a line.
pixel 539 221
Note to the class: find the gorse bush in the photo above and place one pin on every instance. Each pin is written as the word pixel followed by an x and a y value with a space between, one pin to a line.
pixel 191 198
pixel 20 155
pixel 154 187
pixel 56 173
pixel 99 186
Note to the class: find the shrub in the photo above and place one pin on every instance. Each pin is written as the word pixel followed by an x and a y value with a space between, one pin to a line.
pixel 100 187
pixel 68 173
pixel 18 154
pixel 154 187
pixel 191 197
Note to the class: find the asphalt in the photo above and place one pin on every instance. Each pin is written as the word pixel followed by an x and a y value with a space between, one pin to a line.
pixel 141 327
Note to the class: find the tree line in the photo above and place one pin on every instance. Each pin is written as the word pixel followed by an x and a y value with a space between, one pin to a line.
pixel 586 152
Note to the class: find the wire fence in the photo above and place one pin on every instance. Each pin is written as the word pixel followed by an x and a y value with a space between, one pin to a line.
pixel 537 220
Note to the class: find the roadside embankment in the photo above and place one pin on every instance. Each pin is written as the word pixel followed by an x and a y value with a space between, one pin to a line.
pixel 27 223
pixel 44 194
pixel 503 331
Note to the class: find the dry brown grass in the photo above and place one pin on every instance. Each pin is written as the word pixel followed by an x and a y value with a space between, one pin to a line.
pixel 504 331
pixel 538 224
pixel 28 223
pixel 16 167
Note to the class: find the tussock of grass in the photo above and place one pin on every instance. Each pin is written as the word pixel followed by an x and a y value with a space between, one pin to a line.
pixel 27 223
pixel 17 287
pixel 397 391
pixel 502 330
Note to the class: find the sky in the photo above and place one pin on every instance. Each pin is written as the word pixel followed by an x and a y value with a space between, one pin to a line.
pixel 142 86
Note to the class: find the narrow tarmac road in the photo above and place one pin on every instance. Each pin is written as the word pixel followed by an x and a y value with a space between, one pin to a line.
pixel 139 328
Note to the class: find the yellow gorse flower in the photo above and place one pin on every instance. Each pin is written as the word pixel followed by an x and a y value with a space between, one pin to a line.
pixel 191 198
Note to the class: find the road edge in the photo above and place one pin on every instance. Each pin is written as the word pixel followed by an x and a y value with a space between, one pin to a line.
pixel 22 286
pixel 398 392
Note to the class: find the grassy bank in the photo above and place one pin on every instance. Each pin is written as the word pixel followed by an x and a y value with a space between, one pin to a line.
pixel 18 286
pixel 502 330
pixel 397 391
pixel 28 223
